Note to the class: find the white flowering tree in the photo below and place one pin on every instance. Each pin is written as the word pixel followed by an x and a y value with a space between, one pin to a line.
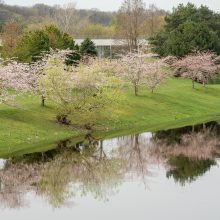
pixel 155 74
pixel 132 67
pixel 85 92
pixel 37 69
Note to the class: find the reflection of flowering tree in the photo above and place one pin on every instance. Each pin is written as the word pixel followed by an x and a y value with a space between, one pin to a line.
pixel 59 174
pixel 134 152
pixel 15 180
pixel 196 151
pixel 85 173
pixel 201 145
pixel 191 156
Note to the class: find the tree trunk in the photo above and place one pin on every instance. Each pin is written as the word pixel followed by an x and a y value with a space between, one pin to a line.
pixel 62 119
pixel 193 84
pixel 42 101
pixel 136 90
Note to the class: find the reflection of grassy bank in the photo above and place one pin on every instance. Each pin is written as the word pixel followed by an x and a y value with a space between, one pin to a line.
pixel 174 105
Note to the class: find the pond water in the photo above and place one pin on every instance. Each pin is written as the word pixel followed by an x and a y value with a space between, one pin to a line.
pixel 167 175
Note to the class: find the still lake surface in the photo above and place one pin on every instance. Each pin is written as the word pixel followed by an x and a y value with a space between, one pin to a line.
pixel 167 175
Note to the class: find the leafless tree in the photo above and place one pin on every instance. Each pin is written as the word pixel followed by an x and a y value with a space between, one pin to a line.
pixel 64 16
pixel 130 19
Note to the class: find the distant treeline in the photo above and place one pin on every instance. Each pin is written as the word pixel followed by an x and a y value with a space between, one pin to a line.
pixel 41 13
pixel 8 12
pixel 80 23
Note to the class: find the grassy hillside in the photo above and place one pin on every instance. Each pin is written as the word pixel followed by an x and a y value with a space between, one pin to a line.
pixel 32 128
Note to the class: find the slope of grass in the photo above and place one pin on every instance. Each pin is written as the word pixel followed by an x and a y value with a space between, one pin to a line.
pixel 32 128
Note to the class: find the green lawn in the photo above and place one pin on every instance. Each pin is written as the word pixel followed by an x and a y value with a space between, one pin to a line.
pixel 32 128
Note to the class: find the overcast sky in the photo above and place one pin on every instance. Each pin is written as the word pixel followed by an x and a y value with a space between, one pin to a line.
pixel 113 5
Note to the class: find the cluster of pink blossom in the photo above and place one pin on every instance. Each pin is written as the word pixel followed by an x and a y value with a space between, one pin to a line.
pixel 16 76
pixel 139 69
pixel 24 77
pixel 198 66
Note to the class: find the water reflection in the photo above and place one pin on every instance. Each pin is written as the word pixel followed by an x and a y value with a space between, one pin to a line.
pixel 187 170
pixel 98 168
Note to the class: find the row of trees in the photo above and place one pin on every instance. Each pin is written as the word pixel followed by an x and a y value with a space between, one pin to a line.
pixel 87 23
pixel 178 33
pixel 88 89
pixel 63 16
pixel 85 90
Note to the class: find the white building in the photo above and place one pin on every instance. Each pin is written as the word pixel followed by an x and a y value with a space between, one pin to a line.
pixel 107 47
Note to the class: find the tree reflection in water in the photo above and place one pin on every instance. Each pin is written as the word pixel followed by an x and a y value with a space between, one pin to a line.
pixel 15 179
pixel 91 167
pixel 134 151
pixel 86 172
pixel 186 170
pixel 190 151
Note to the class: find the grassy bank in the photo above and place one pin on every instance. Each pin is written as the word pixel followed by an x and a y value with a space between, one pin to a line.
pixel 32 128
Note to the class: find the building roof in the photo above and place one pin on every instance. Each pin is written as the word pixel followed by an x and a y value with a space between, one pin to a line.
pixel 109 42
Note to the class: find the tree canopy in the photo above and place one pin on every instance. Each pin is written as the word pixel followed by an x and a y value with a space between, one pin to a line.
pixel 188 28
pixel 32 43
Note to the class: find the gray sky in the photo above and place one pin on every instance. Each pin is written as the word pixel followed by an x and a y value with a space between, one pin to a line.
pixel 111 5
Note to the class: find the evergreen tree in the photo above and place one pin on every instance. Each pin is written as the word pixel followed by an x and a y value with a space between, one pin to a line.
pixel 188 28
pixel 33 43
pixel 73 58
pixel 88 48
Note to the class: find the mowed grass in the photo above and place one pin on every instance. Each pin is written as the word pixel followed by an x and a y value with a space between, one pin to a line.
pixel 31 128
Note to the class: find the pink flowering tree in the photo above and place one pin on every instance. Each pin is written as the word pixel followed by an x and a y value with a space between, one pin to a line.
pixel 14 76
pixel 197 67
pixel 23 77
pixel 141 69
